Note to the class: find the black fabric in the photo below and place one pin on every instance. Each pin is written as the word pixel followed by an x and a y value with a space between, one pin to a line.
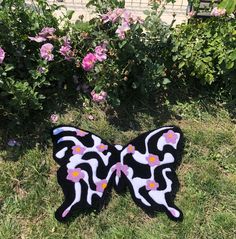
pixel 64 138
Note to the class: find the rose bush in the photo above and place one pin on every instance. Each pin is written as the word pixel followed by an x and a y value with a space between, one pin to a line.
pixel 30 39
pixel 120 53
pixel 107 58
pixel 113 56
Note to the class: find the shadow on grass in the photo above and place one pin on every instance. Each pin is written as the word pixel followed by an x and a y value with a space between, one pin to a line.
pixel 125 117
pixel 159 107
pixel 33 131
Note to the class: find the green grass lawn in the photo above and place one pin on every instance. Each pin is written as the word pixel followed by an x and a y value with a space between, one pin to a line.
pixel 29 193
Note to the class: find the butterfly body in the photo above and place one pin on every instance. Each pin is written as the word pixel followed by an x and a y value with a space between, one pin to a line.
pixel 90 167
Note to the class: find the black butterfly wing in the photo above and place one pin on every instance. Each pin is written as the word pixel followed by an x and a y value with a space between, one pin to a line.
pixel 86 163
pixel 149 164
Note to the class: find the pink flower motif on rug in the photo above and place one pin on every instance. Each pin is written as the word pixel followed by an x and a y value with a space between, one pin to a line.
pixel 75 175
pixel 77 149
pixel 153 160
pixel 81 133
pixel 119 167
pixel 102 147
pixel 170 136
pixel 101 186
pixel 130 149
pixel 151 185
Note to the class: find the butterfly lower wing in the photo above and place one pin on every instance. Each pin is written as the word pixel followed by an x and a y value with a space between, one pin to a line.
pixel 151 160
pixel 85 172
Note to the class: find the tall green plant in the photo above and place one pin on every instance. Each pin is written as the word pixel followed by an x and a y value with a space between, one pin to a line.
pixel 229 5
pixel 102 6
pixel 204 53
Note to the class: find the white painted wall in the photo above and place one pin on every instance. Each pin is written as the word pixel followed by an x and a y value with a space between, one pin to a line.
pixel 136 6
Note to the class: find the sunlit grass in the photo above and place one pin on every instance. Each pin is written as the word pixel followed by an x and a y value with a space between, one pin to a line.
pixel 29 193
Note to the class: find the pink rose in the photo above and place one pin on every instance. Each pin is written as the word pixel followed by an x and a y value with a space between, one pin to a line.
pixel 65 49
pixel 218 12
pixel 13 143
pixel 37 39
pixel 106 17
pixel 66 41
pixel 100 53
pixel 120 14
pixel 127 16
pixel 119 11
pixel 192 13
pixel 112 16
pixel 46 52
pixel 89 61
pixel 66 52
pixel 99 97
pixel 47 31
pixel 121 30
pixel 2 55
pixel 54 118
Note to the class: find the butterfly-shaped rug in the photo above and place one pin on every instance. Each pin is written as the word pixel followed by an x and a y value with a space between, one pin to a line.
pixel 90 167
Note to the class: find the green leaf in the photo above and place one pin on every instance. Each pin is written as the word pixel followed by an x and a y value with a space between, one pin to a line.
pixel 207 59
pixel 229 65
pixel 232 56
pixel 181 64
pixel 134 85
pixel 70 14
pixel 146 12
pixel 175 57
pixel 122 43
pixel 166 81
pixel 229 5
pixel 9 67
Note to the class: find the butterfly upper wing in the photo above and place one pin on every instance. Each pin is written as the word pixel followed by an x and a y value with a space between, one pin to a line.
pixel 85 173
pixel 149 162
